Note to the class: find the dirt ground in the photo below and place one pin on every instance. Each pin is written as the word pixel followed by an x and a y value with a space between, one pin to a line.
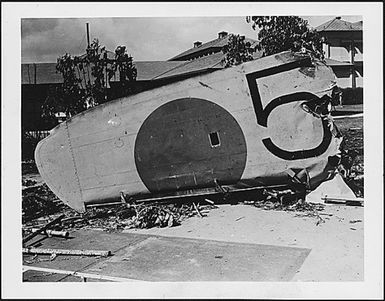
pixel 337 245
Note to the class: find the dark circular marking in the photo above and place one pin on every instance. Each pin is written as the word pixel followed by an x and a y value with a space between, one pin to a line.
pixel 173 149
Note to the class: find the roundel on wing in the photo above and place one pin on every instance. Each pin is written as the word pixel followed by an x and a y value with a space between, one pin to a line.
pixel 189 142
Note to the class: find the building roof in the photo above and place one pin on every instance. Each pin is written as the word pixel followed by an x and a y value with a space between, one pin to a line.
pixel 337 24
pixel 216 44
pixel 46 72
pixel 199 65
pixel 209 62
pixel 333 63
pixel 147 70
pixel 359 23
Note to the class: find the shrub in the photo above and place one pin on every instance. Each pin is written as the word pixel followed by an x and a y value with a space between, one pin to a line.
pixel 28 146
pixel 352 96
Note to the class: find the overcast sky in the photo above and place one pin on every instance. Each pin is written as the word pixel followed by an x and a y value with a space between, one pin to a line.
pixel 155 38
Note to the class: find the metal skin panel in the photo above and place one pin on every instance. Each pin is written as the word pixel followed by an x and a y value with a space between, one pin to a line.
pixel 134 144
pixel 57 166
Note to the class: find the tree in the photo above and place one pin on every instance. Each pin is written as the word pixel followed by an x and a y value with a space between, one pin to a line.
pixel 276 34
pixel 68 97
pixel 237 51
pixel 86 80
pixel 282 33
pixel 123 63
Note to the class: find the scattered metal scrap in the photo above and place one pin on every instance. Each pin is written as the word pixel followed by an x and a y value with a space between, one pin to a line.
pixel 289 200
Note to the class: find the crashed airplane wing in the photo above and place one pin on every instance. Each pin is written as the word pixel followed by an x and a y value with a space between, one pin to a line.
pixel 260 123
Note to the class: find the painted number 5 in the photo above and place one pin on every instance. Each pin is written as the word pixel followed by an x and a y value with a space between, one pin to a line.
pixel 262 114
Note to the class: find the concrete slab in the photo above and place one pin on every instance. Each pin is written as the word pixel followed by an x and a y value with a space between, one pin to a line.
pixel 337 245
pixel 37 276
pixel 82 239
pixel 156 258
pixel 183 259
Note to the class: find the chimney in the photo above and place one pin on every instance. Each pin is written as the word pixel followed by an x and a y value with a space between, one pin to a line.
pixel 338 18
pixel 197 44
pixel 222 34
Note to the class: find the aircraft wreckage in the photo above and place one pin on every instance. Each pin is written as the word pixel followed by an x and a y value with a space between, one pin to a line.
pixel 258 124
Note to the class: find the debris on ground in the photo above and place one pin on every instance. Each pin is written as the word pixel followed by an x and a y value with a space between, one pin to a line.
pixel 355 221
pixel 28 182
pixel 288 200
pixel 39 201
pixel 28 167
pixel 40 206
pixel 42 229
pixel 36 259
pixel 50 233
pixel 343 200
pixel 123 217
pixel 142 216
pixel 352 153
pixel 55 252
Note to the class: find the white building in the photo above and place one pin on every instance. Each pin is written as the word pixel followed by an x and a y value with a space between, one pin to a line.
pixel 343 51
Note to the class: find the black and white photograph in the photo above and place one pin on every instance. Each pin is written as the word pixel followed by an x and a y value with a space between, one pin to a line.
pixel 192 150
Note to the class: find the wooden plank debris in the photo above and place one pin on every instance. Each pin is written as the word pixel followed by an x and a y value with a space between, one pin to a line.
pixel 343 200
pixel 209 201
pixel 32 235
pixel 67 252
pixel 64 234
pixel 197 210
pixel 104 204
pixel 71 219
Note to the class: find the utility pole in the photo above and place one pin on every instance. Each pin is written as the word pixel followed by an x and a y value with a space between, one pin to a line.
pixel 88 34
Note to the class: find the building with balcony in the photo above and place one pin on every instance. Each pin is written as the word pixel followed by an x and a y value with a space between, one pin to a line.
pixel 344 51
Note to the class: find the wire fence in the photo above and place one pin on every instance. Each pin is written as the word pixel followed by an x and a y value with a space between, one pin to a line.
pixel 39 135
